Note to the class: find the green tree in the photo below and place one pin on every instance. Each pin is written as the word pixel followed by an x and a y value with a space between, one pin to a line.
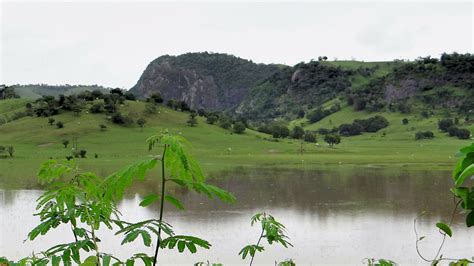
pixel 59 124
pixel 10 150
pixel 239 127
pixel 332 139
pixel 212 119
pixel 51 121
pixel 309 137
pixel 141 122
pixel 297 132
pixel 192 120
pixel 65 143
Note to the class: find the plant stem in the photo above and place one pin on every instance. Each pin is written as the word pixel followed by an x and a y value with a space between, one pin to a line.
pixel 162 202
pixel 258 242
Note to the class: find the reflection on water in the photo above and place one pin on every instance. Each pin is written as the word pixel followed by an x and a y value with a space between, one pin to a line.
pixel 332 217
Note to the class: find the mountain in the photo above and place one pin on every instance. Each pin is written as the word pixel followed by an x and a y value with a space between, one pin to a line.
pixel 202 80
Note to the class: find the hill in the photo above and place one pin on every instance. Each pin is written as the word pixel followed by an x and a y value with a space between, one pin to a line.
pixel 203 80
pixel 35 141
pixel 36 91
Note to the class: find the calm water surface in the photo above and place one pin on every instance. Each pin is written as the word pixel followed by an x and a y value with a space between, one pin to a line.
pixel 332 217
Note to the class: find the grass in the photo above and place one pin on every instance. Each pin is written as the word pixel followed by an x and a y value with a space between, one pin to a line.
pixel 215 148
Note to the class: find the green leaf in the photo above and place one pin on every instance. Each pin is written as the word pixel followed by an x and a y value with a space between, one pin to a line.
pixel 191 247
pixel 130 262
pixel 181 246
pixel 468 171
pixel 90 261
pixel 470 219
pixel 149 200
pixel 177 203
pixel 445 228
pixel 55 260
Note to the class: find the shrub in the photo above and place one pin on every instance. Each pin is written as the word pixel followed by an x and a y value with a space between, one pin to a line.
pixel 156 98
pixel 59 124
pixel 82 153
pixel 224 122
pixel 350 129
pixel 297 132
pixel 97 108
pixel 280 131
pixel 65 143
pixel 212 119
pixel 452 131
pixel 309 137
pixel 129 96
pixel 424 135
pixel 141 122
pixel 372 124
pixel 444 124
pixel 405 121
pixel 332 139
pixel 239 127
pixel 119 119
pixel 10 150
pixel 150 108
pixel 192 121
pixel 51 121
pixel 463 133
pixel 102 127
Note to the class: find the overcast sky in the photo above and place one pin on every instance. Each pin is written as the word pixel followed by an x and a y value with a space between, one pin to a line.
pixel 110 43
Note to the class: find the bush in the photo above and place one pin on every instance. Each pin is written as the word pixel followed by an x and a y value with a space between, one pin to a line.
pixel 129 96
pixel 444 124
pixel 192 121
pixel 350 129
pixel 372 124
pixel 141 122
pixel 119 119
pixel 150 108
pixel 51 121
pixel 155 98
pixel 59 124
pixel 97 108
pixel 82 153
pixel 332 139
pixel 102 127
pixel 452 131
pixel 239 127
pixel 463 133
pixel 280 131
pixel 225 123
pixel 309 137
pixel 405 121
pixel 65 143
pixel 297 132
pixel 424 135
pixel 212 119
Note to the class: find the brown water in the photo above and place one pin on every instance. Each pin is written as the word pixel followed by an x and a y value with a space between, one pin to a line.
pixel 337 217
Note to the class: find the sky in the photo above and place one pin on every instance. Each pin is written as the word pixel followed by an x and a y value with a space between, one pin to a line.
pixel 110 43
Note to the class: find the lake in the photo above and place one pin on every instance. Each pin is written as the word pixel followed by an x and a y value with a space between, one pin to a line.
pixel 332 217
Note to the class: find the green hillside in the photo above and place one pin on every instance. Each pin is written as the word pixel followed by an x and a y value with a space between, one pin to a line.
pixel 35 141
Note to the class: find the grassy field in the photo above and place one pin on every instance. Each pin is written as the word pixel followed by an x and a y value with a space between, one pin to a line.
pixel 217 149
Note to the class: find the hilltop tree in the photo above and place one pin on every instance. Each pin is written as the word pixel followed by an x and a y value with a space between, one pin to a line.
pixel 332 139
pixel 192 121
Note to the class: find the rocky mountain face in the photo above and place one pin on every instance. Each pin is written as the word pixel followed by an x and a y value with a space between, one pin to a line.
pixel 202 80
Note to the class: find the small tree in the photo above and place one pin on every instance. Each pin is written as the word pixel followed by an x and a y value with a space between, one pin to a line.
pixel 102 127
pixel 212 119
pixel 51 121
pixel 10 150
pixel 224 122
pixel 297 132
pixel 192 121
pixel 309 137
pixel 332 139
pixel 65 143
pixel 463 133
pixel 82 153
pixel 239 127
pixel 444 124
pixel 141 122
pixel 156 98
pixel 59 124
pixel 405 121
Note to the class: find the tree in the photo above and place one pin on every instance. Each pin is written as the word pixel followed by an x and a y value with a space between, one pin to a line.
pixel 10 150
pixel 150 108
pixel 130 96
pixel 297 132
pixel 65 143
pixel 452 131
pixel 192 121
pixel 301 113
pixel 212 119
pixel 141 122
pixel 82 153
pixel 463 133
pixel 279 131
pixel 156 98
pixel 102 127
pixel 97 108
pixel 224 122
pixel 59 124
pixel 424 135
pixel 51 121
pixel 239 127
pixel 405 121
pixel 444 124
pixel 309 137
pixel 332 139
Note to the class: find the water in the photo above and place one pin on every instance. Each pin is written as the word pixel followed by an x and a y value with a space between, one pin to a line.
pixel 335 217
